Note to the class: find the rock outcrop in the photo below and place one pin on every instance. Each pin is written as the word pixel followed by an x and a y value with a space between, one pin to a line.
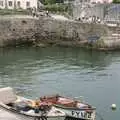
pixel 47 31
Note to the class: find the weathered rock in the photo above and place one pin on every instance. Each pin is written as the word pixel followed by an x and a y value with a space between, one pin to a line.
pixel 47 31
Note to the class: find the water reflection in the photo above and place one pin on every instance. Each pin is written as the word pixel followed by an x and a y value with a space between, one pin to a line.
pixel 70 56
pixel 23 64
pixel 68 71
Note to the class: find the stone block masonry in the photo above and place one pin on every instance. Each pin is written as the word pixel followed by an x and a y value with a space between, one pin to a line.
pixel 15 31
pixel 68 33
pixel 47 31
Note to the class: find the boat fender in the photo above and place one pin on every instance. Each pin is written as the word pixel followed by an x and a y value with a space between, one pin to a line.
pixel 113 107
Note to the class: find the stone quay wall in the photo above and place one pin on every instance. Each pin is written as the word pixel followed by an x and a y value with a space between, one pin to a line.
pixel 47 31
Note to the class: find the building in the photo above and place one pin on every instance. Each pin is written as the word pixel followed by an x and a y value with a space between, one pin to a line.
pixel 93 1
pixel 77 2
pixel 23 4
pixel 84 1
pixel 101 1
pixel 113 13
pixel 90 8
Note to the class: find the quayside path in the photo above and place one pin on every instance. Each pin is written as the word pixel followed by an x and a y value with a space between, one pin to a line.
pixel 7 116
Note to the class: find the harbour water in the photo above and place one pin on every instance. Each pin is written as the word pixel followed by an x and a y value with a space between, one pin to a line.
pixel 72 72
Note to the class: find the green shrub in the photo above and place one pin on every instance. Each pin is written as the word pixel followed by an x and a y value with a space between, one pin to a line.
pixel 58 8
pixel 13 12
pixel 116 1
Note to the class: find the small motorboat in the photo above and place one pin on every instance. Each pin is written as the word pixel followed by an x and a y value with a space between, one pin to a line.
pixel 27 109
pixel 72 108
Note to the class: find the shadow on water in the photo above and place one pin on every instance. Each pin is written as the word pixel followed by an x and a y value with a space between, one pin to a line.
pixel 70 56
pixel 26 61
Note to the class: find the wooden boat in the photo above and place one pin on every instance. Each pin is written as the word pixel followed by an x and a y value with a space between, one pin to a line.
pixel 27 109
pixel 72 108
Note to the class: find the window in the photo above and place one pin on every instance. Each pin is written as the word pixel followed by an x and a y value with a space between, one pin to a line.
pixel 27 4
pixel 10 3
pixel 1 3
pixel 18 4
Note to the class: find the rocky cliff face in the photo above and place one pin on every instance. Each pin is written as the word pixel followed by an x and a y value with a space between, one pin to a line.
pixel 46 31
pixel 67 32
pixel 110 41
pixel 16 31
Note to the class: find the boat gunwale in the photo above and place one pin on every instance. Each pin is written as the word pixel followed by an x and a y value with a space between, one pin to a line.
pixel 73 108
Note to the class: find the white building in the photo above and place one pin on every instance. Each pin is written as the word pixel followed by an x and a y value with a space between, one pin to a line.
pixel 76 2
pixel 102 1
pixel 24 4
pixel 92 1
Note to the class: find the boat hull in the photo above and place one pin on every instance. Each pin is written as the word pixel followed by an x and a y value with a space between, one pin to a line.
pixel 8 114
pixel 79 114
pixel 72 108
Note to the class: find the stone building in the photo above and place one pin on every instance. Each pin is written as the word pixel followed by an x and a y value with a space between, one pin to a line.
pixel 106 12
pixel 112 13
pixel 16 4
pixel 102 1
pixel 93 1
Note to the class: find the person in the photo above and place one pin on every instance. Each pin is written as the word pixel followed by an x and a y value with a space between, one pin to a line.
pixel 47 12
pixel 37 105
pixel 33 11
pixel 98 19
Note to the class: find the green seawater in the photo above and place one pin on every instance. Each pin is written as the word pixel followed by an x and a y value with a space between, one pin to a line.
pixel 71 72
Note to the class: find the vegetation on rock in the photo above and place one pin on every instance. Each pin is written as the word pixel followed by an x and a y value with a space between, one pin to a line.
pixel 116 1
pixel 57 8
pixel 49 2
pixel 14 12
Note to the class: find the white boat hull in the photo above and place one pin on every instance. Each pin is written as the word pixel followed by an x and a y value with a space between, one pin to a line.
pixel 8 115
pixel 79 114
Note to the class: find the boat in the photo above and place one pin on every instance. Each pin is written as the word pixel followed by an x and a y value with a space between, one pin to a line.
pixel 27 109
pixel 73 108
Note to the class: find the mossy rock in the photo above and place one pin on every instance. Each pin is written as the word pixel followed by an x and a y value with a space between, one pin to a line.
pixel 99 43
